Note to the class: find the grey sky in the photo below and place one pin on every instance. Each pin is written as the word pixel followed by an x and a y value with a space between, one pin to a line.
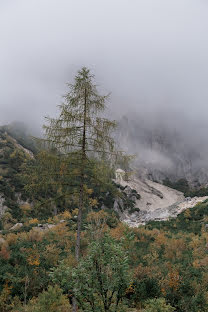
pixel 151 54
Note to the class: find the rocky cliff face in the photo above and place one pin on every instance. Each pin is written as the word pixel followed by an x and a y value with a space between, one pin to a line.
pixel 155 201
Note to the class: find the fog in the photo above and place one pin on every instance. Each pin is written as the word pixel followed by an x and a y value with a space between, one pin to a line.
pixel 152 55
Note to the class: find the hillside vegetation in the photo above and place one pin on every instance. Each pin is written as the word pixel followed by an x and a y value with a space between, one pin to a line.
pixel 161 260
pixel 163 264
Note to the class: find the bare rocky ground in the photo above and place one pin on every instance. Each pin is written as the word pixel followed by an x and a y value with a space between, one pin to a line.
pixel 157 202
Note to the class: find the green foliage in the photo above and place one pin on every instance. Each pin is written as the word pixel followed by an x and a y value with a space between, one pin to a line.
pixel 146 288
pixel 100 280
pixel 112 219
pixel 51 300
pixel 191 220
pixel 161 263
pixel 52 181
pixel 182 185
pixel 202 191
pixel 158 305
pixel 12 158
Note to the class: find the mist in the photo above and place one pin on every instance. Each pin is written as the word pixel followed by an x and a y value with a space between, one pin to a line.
pixel 152 55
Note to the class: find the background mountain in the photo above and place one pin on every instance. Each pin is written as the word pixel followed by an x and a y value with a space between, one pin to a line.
pixel 166 148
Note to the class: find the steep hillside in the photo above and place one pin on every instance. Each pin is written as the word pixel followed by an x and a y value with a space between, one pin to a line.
pixel 155 202
pixel 12 156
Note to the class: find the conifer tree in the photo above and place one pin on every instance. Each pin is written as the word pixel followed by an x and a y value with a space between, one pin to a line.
pixel 81 133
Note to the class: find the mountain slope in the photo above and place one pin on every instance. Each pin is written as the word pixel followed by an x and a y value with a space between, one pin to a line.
pixel 166 150
pixel 12 156
pixel 156 202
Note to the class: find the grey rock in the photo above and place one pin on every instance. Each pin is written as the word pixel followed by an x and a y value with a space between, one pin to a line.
pixel 16 226
pixel 44 227
pixel 50 226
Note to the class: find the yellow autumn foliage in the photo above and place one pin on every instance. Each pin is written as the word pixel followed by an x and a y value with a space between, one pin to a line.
pixel 93 202
pixel 66 215
pixel 34 260
pixel 75 212
pixel 33 221
pixel 11 239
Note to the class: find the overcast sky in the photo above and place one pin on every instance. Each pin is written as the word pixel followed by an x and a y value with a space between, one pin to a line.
pixel 152 55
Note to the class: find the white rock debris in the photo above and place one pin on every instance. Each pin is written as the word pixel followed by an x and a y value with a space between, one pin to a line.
pixel 157 202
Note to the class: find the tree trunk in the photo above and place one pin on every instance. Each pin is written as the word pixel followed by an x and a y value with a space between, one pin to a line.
pixel 74 305
pixel 82 165
pixel 81 194
pixel 54 209
pixel 79 228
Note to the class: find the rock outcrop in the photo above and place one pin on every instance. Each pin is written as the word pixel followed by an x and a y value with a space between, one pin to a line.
pixel 156 202
pixel 17 226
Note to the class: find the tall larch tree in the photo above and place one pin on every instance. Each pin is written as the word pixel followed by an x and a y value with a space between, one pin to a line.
pixel 81 133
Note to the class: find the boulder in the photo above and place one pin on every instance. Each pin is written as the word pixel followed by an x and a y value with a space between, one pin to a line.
pixel 17 226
